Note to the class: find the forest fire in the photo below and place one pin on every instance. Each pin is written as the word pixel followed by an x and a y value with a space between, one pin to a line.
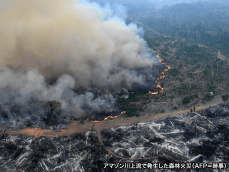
pixel 105 118
pixel 159 87
pixel 123 112
pixel 156 53
pixel 160 77
pixel 153 92
pixel 168 67
pixel 163 72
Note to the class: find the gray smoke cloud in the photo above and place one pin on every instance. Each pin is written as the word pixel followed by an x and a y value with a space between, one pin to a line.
pixel 79 44
pixel 21 87
pixel 81 39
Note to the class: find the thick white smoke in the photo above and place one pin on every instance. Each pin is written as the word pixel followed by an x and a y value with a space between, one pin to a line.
pixel 69 37
pixel 20 88
pixel 78 44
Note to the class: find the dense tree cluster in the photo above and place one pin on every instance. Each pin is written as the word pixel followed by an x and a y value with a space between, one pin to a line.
pixel 180 20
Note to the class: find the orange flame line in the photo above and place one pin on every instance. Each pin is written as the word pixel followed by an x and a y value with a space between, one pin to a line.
pixel 123 112
pixel 153 92
pixel 162 76
pixel 158 87
pixel 105 118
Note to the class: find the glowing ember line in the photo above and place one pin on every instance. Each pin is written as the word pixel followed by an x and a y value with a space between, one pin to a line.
pixel 168 67
pixel 159 87
pixel 105 118
pixel 153 92
pixel 162 76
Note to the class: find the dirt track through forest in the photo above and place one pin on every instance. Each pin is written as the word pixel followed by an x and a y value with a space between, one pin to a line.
pixel 75 126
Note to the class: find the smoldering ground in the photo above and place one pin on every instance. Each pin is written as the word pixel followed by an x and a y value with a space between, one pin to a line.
pixel 50 48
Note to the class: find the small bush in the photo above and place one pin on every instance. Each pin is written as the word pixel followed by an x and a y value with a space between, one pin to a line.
pixel 175 108
pixel 187 99
pixel 130 112
pixel 225 98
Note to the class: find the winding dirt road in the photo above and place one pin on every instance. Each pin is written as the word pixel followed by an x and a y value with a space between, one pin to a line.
pixel 74 126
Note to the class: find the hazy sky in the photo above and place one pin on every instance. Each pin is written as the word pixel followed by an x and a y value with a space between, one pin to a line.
pixel 159 3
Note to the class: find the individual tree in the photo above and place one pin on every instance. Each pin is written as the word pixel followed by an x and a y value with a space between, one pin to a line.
pixel 225 98
pixel 53 106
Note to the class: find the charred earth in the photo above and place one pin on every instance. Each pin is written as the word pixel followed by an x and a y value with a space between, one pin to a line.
pixel 191 137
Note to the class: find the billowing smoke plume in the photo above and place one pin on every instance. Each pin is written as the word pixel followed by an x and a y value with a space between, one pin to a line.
pixel 50 47
pixel 79 39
